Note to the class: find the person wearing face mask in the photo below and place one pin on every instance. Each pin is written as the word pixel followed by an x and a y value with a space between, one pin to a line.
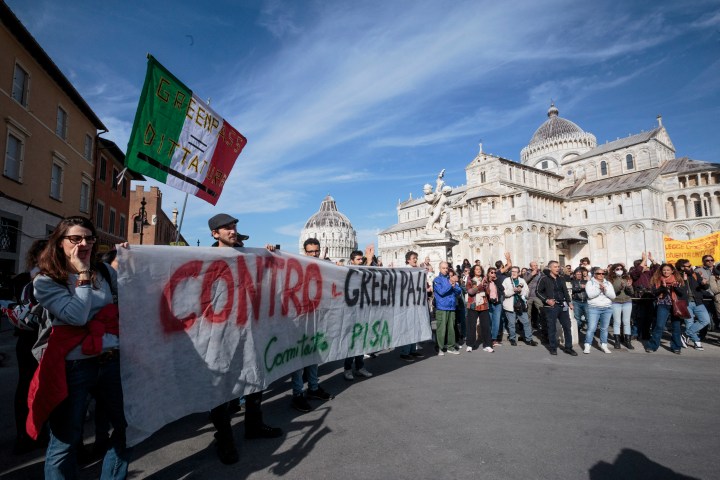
pixel 600 294
pixel 622 305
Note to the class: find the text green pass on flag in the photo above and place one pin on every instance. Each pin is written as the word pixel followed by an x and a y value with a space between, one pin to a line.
pixel 179 140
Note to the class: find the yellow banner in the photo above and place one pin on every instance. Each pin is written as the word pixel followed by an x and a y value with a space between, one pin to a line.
pixel 692 250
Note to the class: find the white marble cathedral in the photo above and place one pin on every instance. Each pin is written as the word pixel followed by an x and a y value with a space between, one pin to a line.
pixel 332 229
pixel 569 198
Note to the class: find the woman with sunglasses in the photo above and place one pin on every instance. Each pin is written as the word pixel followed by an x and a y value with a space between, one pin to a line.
pixel 666 284
pixel 600 294
pixel 82 353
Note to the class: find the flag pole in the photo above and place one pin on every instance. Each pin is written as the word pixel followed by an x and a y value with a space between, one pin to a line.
pixel 182 215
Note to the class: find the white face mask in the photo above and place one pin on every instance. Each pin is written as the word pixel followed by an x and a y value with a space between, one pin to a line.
pixel 618 272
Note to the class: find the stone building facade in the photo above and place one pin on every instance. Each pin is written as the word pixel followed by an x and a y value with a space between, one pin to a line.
pixel 332 229
pixel 569 198
pixel 156 227
pixel 47 145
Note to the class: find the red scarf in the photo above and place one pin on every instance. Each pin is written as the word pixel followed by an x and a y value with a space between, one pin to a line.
pixel 49 384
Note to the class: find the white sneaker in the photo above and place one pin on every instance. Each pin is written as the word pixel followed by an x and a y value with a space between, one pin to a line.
pixel 604 348
pixel 441 353
pixel 587 348
pixel 468 349
pixel 454 351
pixel 698 346
pixel 488 349
pixel 363 373
pixel 348 375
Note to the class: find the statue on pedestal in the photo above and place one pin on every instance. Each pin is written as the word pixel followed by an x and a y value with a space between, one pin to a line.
pixel 439 205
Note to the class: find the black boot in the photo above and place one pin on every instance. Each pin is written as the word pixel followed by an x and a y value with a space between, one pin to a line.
pixel 616 341
pixel 628 342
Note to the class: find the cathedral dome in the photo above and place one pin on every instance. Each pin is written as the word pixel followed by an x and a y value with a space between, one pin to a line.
pixel 556 141
pixel 554 126
pixel 328 216
pixel 332 229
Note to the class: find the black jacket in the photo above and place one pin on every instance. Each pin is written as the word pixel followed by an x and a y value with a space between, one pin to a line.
pixel 695 287
pixel 552 288
pixel 578 290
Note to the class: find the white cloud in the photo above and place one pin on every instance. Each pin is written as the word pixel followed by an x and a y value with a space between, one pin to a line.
pixel 290 230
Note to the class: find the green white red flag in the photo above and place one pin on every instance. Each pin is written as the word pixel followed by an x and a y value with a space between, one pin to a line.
pixel 179 140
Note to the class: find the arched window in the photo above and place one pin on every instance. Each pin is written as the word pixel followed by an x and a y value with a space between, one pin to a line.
pixel 629 161
pixel 603 168
pixel 619 209
pixel 585 215
pixel 600 240
pixel 482 177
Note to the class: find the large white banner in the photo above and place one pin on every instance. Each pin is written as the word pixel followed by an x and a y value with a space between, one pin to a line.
pixel 200 326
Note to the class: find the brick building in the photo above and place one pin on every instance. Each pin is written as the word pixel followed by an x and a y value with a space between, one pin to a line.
pixel 157 228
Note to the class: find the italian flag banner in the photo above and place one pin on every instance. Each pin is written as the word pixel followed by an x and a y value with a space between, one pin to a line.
pixel 179 140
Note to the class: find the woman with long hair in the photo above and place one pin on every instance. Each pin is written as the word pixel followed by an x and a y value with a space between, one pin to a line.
pixel 82 352
pixel 622 305
pixel 495 299
pixel 478 316
pixel 666 284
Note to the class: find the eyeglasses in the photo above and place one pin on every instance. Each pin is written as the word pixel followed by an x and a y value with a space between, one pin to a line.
pixel 313 252
pixel 708 260
pixel 599 273
pixel 76 239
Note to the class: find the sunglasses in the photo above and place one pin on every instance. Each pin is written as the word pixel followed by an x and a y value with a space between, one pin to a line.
pixel 599 273
pixel 77 239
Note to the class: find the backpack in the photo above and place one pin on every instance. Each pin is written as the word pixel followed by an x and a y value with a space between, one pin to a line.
pixel 27 315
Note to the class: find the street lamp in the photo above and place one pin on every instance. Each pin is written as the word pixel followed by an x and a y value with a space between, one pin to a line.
pixel 141 219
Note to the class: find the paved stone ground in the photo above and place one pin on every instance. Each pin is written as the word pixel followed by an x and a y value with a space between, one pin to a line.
pixel 517 413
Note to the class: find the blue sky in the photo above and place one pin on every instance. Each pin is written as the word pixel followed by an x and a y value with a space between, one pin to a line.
pixel 367 101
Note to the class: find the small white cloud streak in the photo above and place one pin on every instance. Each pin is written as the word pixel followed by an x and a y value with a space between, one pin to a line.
pixel 291 230
pixel 366 236
pixel 304 104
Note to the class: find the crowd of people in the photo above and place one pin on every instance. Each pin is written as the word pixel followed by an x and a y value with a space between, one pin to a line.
pixel 639 302
pixel 75 332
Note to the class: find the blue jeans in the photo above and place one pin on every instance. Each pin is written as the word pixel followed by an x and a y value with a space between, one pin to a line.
pixel 512 318
pixel 663 313
pixel 66 421
pixel 359 363
pixel 699 319
pixel 597 315
pixel 296 378
pixel 621 312
pixel 495 315
pixel 580 309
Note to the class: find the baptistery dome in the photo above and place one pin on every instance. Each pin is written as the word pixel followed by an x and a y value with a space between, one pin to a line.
pixel 555 142
pixel 332 229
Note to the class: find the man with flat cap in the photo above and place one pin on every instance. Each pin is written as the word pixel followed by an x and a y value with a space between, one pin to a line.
pixel 223 228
